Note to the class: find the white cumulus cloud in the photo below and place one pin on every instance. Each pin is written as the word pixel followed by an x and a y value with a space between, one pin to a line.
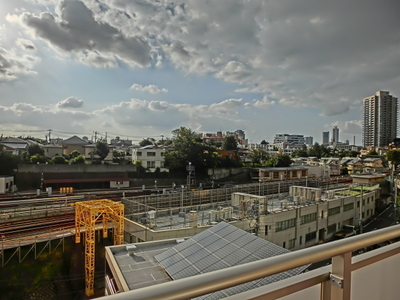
pixel 70 102
pixel 151 89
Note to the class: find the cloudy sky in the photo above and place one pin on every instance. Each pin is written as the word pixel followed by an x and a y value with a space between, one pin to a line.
pixel 141 68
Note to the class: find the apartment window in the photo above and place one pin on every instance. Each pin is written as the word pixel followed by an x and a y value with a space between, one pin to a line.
pixel 139 153
pixel 322 214
pixel 311 236
pixel 292 243
pixel 300 240
pixel 308 218
pixel 284 245
pixel 285 224
pixel 348 206
pixel 162 153
pixel 151 164
pixel 358 204
pixel 333 211
pixel 294 174
pixel 266 230
pixel 303 173
pixel 332 228
pixel 151 154
pixel 276 174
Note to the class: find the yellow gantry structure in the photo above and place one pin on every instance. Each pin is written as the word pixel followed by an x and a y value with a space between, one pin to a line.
pixel 87 214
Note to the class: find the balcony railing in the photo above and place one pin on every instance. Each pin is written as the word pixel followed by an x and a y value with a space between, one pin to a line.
pixel 372 275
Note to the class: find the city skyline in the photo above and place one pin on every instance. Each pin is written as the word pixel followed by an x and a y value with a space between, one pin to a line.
pixel 142 68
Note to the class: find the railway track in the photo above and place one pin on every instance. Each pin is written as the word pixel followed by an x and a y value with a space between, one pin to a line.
pixel 35 226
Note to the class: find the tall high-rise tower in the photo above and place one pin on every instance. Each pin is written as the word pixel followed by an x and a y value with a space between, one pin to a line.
pixel 325 137
pixel 380 119
pixel 335 134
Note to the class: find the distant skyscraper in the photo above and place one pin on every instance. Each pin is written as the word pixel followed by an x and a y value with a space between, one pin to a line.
pixel 325 137
pixel 309 140
pixel 380 119
pixel 335 134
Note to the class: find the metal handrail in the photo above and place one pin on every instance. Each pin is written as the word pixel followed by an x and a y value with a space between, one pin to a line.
pixel 218 280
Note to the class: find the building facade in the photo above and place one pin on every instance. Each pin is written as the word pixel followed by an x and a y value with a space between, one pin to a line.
pixel 379 119
pixel 309 141
pixel 151 156
pixel 325 137
pixel 289 138
pixel 335 134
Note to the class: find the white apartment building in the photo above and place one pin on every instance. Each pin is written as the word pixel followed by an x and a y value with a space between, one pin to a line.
pixel 289 138
pixel 151 156
pixel 379 119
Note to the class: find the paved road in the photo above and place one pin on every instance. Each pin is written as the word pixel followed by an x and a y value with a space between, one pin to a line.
pixel 384 219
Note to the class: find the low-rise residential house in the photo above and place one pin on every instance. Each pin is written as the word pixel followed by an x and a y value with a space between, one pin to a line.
pixel 373 162
pixel 355 166
pixel 18 145
pixel 51 150
pixel 9 149
pixel 74 143
pixel 151 156
pixel 360 165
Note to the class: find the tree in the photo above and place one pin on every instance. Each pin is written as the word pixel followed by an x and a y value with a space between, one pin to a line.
pixel 393 156
pixel 101 149
pixel 74 154
pixel 79 160
pixel 8 162
pixel 282 160
pixel 146 142
pixel 372 152
pixel 263 142
pixel 303 152
pixel 34 149
pixel 189 147
pixel 38 158
pixel 258 156
pixel 59 160
pixel 229 143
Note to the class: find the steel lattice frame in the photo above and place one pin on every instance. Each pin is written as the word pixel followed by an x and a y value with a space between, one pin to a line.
pixel 86 215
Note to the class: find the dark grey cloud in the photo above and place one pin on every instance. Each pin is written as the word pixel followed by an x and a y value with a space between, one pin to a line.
pixel 322 54
pixel 77 31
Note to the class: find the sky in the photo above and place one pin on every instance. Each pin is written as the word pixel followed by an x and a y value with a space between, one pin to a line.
pixel 141 68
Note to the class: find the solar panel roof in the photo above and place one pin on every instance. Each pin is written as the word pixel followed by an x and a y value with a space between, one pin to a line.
pixel 219 247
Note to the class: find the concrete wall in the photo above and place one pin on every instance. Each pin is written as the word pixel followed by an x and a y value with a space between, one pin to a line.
pixel 43 168
pixel 224 172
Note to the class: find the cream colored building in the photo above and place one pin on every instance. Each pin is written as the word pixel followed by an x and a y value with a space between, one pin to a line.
pixel 301 218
